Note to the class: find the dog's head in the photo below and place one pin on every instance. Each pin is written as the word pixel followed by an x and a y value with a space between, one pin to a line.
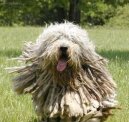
pixel 64 53
pixel 64 46
pixel 63 49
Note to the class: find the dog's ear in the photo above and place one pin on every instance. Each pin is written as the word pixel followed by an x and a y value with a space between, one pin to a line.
pixel 97 73
pixel 24 82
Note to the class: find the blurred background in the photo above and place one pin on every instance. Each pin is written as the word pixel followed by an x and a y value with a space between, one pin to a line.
pixel 88 12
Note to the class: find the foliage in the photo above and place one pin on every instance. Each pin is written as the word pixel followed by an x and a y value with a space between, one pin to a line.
pixel 96 12
pixel 38 12
pixel 121 17
pixel 34 12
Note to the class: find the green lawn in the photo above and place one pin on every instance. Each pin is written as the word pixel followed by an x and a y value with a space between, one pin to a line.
pixel 113 44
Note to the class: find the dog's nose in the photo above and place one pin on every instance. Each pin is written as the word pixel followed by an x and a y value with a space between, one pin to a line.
pixel 63 48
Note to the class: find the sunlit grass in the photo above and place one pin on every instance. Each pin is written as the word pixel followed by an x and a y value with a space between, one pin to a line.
pixel 113 44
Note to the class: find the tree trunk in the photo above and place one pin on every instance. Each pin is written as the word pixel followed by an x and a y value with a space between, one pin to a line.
pixel 74 11
pixel 61 14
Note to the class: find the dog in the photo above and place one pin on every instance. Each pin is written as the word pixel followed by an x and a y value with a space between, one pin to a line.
pixel 68 80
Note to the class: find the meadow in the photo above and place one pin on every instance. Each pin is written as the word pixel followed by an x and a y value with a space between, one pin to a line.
pixel 111 43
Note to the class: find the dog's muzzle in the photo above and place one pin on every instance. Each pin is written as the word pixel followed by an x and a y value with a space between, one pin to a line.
pixel 63 58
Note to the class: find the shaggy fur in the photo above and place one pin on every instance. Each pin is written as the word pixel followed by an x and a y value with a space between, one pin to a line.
pixel 67 79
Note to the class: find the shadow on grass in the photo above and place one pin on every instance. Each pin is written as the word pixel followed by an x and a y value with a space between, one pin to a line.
pixel 11 53
pixel 115 54
pixel 34 120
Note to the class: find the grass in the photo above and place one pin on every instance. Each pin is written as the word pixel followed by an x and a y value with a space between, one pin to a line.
pixel 113 44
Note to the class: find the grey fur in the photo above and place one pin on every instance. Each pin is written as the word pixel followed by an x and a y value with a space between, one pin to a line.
pixel 84 92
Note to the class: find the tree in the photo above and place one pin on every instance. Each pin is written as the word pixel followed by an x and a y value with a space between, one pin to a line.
pixel 74 11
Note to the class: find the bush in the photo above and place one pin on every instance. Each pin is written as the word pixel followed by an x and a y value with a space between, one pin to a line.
pixel 97 13
pixel 34 12
pixel 38 12
pixel 121 17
